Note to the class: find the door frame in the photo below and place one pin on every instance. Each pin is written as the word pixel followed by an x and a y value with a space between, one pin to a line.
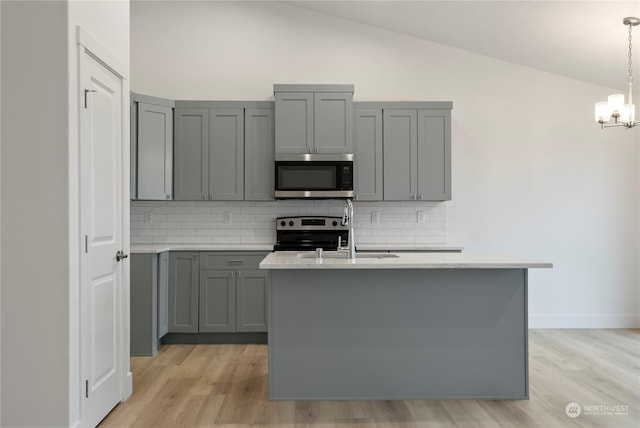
pixel 85 42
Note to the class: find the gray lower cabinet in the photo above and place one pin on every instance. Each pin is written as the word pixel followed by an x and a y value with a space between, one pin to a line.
pixel 252 286
pixel 217 292
pixel 417 154
pixel 313 118
pixel 217 301
pixel 151 147
pixel 367 154
pixel 184 279
pixel 148 301
pixel 163 294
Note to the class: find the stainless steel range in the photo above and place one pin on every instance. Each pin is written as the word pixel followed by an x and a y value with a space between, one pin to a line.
pixel 308 233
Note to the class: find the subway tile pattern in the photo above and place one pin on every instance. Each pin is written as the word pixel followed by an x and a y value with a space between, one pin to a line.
pixel 177 222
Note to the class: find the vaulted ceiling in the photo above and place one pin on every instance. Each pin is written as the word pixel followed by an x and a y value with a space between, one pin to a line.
pixel 584 40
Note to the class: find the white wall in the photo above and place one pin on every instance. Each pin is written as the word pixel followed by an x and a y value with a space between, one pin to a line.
pixel 34 214
pixel 533 175
pixel 39 247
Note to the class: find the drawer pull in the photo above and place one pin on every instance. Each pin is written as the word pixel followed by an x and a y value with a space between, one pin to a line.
pixel 235 262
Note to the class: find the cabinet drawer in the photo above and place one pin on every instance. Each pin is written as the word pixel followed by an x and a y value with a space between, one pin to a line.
pixel 226 260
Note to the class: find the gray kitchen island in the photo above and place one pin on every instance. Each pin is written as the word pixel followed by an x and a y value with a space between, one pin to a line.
pixel 397 326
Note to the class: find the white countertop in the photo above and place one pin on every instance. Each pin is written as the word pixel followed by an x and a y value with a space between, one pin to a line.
pixel 408 247
pixel 161 248
pixel 332 260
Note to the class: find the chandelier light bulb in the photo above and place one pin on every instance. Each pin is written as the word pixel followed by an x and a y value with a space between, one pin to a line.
pixel 628 113
pixel 616 104
pixel 603 112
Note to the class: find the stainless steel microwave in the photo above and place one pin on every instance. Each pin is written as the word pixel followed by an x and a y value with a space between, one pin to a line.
pixel 314 176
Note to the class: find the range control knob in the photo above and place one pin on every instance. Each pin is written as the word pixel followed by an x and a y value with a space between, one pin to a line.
pixel 291 223
pixel 283 223
pixel 335 223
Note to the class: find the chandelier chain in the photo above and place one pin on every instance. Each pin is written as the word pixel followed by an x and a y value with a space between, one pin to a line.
pixel 630 80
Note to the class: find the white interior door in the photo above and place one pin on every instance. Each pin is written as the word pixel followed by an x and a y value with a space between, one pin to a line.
pixel 101 227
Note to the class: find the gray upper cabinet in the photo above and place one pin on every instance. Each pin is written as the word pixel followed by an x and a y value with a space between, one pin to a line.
pixel 400 155
pixel 226 154
pixel 434 155
pixel 314 118
pixel 151 147
pixel 417 151
pixel 368 154
pixel 191 154
pixel 184 269
pixel 224 150
pixel 333 122
pixel 258 154
pixel 294 122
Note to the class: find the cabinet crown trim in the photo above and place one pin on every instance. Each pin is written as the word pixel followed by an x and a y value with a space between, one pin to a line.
pixel 312 88
pixel 418 105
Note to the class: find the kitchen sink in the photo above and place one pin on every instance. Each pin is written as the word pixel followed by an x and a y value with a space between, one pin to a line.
pixel 333 255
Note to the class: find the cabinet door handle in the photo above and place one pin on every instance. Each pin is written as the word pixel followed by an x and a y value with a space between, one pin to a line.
pixel 414 197
pixel 239 274
pixel 168 196
pixel 421 197
pixel 233 274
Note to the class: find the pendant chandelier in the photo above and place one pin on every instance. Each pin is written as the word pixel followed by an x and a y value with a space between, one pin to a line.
pixel 615 108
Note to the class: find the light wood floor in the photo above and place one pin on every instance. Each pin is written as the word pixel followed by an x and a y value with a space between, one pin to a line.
pixel 226 386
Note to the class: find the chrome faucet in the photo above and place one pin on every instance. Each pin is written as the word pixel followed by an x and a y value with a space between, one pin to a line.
pixel 347 220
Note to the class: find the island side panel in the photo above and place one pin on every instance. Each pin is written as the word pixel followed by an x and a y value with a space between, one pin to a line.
pixel 398 334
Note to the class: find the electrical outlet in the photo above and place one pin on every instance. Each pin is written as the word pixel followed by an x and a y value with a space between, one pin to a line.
pixel 148 217
pixel 375 216
pixel 421 217
pixel 228 218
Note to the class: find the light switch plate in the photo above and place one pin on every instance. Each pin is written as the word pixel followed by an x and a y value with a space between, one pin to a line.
pixel 421 217
pixel 228 217
pixel 148 217
pixel 375 216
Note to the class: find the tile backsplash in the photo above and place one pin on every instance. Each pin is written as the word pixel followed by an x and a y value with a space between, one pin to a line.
pixel 178 222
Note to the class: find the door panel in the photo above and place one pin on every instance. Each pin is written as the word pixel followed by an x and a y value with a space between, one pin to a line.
pixel 101 148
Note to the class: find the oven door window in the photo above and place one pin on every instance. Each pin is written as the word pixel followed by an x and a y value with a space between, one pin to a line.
pixel 306 176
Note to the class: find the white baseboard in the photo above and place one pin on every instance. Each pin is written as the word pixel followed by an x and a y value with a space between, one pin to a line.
pixel 128 386
pixel 584 321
